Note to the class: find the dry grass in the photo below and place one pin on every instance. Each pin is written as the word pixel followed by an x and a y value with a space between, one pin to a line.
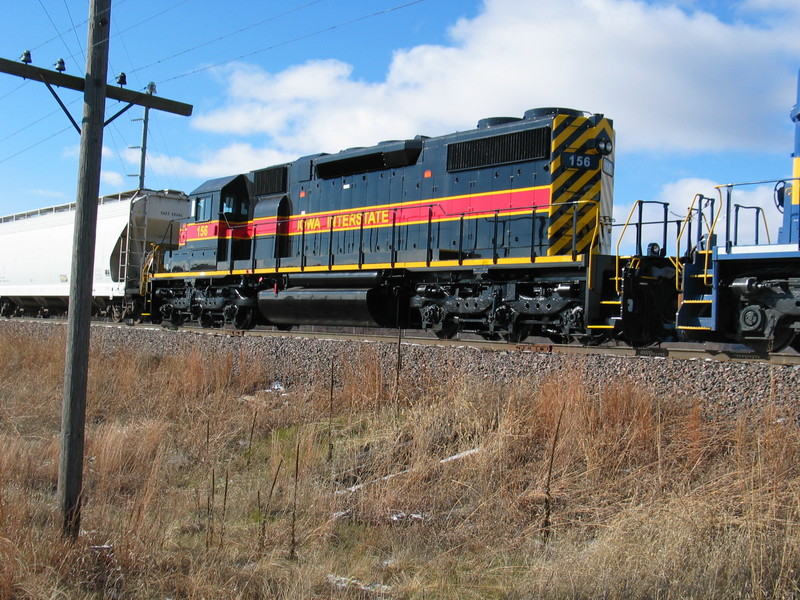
pixel 200 484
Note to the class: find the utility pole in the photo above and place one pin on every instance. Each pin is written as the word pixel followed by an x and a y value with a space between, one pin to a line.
pixel 73 422
pixel 76 370
pixel 151 89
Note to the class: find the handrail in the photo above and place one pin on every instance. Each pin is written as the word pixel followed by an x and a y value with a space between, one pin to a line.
pixel 759 212
pixel 617 283
pixel 710 237
pixel 636 207
pixel 148 262
pixel 729 188
pixel 492 214
pixel 590 267
pixel 686 223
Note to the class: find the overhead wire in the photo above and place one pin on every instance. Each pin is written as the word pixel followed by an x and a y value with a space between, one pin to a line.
pixel 7 94
pixel 75 31
pixel 169 157
pixel 41 141
pixel 296 39
pixel 59 35
pixel 227 35
pixel 29 125
pixel 119 35
pixel 49 18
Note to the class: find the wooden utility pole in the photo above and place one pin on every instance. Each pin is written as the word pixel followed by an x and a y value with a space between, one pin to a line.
pixel 70 471
pixel 73 417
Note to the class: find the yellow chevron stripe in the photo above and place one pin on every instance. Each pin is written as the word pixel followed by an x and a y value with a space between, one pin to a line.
pixel 566 218
pixel 583 240
pixel 576 122
pixel 575 189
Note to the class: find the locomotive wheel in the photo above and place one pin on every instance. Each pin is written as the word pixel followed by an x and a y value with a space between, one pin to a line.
pixel 448 331
pixel 490 337
pixel 175 319
pixel 244 319
pixel 519 334
pixel 782 338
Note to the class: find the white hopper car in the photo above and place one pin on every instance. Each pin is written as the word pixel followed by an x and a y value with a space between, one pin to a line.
pixel 132 227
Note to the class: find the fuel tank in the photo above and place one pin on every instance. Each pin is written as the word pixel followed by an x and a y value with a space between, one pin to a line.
pixel 344 307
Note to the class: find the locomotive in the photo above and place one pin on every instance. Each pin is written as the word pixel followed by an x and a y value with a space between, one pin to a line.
pixel 504 231
pixel 501 231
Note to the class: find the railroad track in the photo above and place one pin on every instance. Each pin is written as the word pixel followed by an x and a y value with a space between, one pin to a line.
pixel 719 353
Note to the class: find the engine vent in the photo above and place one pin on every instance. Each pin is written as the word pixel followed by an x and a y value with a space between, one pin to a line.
pixel 270 181
pixel 531 144
pixel 386 155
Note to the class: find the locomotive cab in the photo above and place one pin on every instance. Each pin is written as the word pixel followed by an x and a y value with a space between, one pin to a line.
pixel 216 234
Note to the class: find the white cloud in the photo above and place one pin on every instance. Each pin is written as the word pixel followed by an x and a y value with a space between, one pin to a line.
pixel 114 180
pixel 47 193
pixel 233 158
pixel 671 78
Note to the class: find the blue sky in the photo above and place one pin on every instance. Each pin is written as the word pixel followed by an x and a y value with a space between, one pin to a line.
pixel 699 91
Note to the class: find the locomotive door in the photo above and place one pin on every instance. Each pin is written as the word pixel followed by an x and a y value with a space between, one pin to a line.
pixel 283 242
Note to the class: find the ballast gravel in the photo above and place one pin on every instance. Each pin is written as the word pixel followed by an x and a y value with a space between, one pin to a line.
pixel 721 387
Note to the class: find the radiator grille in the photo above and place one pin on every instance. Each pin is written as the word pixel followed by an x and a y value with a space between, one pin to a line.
pixel 531 144
pixel 270 181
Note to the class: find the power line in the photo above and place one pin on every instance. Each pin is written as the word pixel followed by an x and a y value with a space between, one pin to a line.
pixel 43 140
pixel 29 125
pixel 75 31
pixel 150 18
pixel 297 39
pixel 74 28
pixel 54 27
pixel 227 35
pixel 7 94
pixel 177 178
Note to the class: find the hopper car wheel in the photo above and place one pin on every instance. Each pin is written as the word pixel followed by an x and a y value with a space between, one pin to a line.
pixel 7 309
pixel 118 313
pixel 283 327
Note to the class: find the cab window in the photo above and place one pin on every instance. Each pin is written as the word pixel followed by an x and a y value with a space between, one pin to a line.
pixel 203 207
pixel 234 206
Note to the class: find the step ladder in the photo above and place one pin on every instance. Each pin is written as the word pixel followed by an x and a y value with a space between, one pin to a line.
pixel 696 281
pixel 697 310
pixel 133 249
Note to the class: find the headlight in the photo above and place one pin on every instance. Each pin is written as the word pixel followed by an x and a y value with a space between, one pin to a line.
pixel 604 146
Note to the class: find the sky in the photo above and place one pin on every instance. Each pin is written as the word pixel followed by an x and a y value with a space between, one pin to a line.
pixel 699 90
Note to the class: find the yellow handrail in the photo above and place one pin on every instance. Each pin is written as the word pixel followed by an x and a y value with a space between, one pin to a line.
pixel 617 283
pixel 591 245
pixel 145 274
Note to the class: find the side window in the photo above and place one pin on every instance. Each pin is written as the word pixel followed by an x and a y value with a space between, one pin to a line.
pixel 199 208
pixel 203 207
pixel 229 205
pixel 235 206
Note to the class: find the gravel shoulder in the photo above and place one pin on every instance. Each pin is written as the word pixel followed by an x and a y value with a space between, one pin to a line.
pixel 723 388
